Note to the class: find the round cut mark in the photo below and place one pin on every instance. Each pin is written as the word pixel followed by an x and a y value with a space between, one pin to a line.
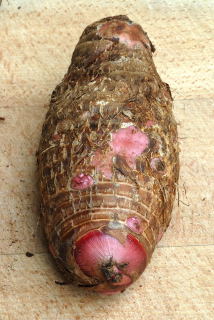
pixel 129 142
pixel 149 123
pixel 82 181
pixel 132 35
pixel 134 223
pixel 112 263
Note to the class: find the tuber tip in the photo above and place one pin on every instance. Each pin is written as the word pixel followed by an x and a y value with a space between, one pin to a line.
pixel 113 264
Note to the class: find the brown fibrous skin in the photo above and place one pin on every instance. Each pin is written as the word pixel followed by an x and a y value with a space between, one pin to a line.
pixel 108 158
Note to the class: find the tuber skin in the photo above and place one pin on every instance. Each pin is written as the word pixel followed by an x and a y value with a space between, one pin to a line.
pixel 108 159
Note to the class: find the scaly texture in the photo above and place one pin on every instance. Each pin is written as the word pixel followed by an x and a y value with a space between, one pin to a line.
pixel 108 158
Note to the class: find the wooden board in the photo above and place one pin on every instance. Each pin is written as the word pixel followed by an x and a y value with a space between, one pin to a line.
pixel 37 39
pixel 176 285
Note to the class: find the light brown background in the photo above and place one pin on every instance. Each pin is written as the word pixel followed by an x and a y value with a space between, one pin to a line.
pixel 37 38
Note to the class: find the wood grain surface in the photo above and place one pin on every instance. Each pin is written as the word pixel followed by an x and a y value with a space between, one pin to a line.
pixel 37 39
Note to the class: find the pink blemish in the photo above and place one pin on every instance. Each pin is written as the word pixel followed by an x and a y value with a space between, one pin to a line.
pixel 130 143
pixel 153 163
pixel 56 137
pixel 103 162
pixel 82 181
pixel 127 142
pixel 96 248
pixel 134 223
pixel 131 35
pixel 157 164
pixel 128 41
pixel 149 123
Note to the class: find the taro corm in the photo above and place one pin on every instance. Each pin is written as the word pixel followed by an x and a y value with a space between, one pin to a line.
pixel 108 159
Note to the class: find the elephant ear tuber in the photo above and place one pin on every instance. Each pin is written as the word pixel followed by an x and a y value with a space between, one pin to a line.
pixel 108 159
